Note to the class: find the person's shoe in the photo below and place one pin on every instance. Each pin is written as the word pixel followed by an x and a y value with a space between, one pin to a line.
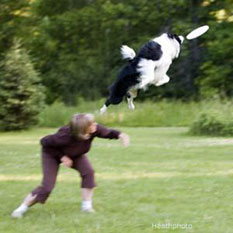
pixel 88 210
pixel 17 214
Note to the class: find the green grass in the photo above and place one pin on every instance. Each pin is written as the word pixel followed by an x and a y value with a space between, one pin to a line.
pixel 165 176
pixel 162 113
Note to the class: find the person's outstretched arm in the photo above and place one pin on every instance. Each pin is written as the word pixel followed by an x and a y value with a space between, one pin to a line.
pixel 104 132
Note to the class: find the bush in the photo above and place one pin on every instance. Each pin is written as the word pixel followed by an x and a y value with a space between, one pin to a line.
pixel 215 125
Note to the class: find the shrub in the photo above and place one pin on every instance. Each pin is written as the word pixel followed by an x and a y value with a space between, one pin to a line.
pixel 215 125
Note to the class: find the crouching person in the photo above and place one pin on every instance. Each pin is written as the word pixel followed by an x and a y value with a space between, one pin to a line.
pixel 69 146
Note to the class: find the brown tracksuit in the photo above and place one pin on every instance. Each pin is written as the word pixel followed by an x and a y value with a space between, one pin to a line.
pixel 62 143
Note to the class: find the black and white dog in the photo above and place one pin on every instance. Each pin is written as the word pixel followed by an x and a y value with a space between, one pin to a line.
pixel 148 67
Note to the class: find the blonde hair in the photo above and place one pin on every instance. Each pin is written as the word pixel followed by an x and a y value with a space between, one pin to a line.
pixel 79 125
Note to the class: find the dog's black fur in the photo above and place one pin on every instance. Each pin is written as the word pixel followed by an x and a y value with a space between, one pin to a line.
pixel 129 77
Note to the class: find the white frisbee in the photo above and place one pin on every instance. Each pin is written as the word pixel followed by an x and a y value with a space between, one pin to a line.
pixel 197 32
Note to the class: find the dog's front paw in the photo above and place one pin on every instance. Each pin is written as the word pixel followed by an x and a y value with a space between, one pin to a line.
pixel 165 80
pixel 131 106
pixel 159 84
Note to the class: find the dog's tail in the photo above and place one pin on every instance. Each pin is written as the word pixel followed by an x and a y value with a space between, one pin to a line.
pixel 127 52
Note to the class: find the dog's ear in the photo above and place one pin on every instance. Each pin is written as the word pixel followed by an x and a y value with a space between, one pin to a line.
pixel 179 39
pixel 170 35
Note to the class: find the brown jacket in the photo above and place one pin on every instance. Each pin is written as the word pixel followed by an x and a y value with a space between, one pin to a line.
pixel 64 143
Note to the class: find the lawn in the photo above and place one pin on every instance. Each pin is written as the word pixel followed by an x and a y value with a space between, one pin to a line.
pixel 165 178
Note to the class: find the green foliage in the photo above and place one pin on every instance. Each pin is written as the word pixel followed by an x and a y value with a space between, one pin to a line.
pixel 215 122
pixel 21 94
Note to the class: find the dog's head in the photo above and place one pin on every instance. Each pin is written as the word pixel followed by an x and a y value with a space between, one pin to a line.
pixel 177 41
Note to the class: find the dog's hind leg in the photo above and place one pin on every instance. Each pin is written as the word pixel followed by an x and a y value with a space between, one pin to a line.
pixel 105 106
pixel 130 96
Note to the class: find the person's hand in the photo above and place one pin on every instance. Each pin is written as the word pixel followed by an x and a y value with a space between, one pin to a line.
pixel 125 139
pixel 66 161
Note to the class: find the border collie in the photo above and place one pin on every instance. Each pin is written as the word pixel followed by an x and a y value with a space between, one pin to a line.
pixel 148 67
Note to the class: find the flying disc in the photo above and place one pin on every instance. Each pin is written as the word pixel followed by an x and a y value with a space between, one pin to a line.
pixel 197 32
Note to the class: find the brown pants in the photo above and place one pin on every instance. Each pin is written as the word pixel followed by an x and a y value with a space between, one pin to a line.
pixel 50 166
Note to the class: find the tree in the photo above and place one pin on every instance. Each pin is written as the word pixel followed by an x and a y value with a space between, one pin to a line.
pixel 216 77
pixel 21 94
